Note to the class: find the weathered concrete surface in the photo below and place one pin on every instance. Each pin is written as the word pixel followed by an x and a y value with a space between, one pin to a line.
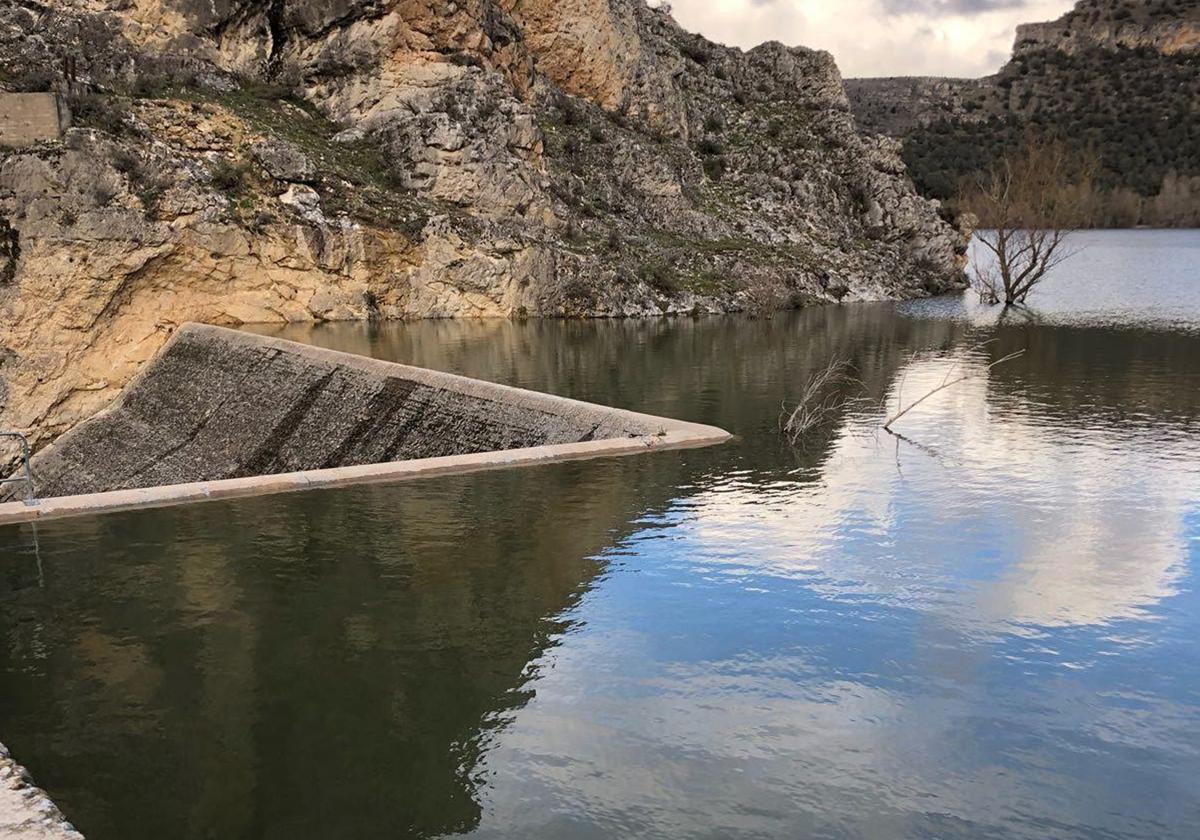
pixel 26 813
pixel 228 407
pixel 28 118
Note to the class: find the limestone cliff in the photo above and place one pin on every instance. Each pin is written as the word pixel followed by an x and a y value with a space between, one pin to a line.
pixel 1164 26
pixel 248 161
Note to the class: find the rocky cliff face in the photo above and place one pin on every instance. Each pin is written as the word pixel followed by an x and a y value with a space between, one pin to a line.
pixel 1118 77
pixel 898 105
pixel 249 161
pixel 1164 26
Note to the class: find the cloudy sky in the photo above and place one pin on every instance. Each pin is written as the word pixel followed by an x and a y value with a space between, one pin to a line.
pixel 877 37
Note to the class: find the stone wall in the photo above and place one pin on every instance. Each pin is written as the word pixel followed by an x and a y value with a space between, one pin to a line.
pixel 28 118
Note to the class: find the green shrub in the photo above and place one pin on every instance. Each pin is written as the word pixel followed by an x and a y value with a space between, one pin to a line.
pixel 228 177
pixel 715 167
pixel 658 275
pixel 103 113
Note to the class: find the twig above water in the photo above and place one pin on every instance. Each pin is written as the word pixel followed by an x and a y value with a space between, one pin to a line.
pixel 823 397
pixel 947 382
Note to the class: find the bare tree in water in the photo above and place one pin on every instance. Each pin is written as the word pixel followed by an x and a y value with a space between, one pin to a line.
pixel 1027 207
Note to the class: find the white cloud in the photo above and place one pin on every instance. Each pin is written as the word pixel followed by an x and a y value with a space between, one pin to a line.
pixel 914 38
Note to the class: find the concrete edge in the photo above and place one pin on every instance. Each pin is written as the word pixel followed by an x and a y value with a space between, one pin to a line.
pixel 26 812
pixel 675 435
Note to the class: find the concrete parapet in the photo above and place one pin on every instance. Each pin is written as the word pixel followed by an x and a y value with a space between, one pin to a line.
pixel 28 118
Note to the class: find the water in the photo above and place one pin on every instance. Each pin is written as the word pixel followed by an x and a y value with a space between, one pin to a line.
pixel 990 631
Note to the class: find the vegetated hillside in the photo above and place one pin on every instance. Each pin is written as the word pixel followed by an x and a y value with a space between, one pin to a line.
pixel 1120 80
pixel 292 160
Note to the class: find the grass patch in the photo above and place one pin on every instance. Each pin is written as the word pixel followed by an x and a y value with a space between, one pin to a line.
pixel 375 194
pixel 709 283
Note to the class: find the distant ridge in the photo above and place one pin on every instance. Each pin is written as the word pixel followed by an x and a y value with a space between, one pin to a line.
pixel 1121 77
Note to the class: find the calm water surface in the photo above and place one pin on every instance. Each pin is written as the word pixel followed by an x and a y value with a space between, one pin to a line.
pixel 990 631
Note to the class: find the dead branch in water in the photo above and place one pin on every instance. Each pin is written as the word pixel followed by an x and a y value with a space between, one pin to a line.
pixel 821 400
pixel 947 382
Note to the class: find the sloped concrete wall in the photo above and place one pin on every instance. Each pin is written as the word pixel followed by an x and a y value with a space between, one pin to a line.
pixel 28 118
pixel 219 404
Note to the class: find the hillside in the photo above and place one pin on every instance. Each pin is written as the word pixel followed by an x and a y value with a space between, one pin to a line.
pixel 295 161
pixel 1120 78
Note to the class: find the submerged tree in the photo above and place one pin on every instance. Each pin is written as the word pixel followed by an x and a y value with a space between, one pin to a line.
pixel 1027 207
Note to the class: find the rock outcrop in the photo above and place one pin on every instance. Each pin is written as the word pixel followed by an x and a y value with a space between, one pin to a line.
pixel 1165 26
pixel 897 105
pixel 1120 78
pixel 296 161
pixel 26 813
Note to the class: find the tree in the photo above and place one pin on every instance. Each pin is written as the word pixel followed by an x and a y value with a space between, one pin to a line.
pixel 1027 207
pixel 10 251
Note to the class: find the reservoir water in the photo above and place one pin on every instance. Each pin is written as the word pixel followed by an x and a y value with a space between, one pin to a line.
pixel 989 628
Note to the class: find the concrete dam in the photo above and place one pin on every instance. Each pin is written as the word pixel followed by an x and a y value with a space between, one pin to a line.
pixel 219 413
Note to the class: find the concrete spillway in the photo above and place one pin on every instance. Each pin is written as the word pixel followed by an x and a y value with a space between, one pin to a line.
pixel 222 413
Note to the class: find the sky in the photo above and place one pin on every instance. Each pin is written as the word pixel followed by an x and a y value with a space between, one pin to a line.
pixel 877 37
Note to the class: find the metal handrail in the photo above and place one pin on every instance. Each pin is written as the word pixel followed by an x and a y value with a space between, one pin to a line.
pixel 28 479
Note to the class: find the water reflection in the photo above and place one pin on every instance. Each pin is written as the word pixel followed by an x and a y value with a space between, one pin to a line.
pixel 1058 520
pixel 829 659
pixel 991 634
pixel 315 666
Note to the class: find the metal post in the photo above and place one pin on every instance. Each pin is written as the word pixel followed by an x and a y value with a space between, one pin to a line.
pixel 31 501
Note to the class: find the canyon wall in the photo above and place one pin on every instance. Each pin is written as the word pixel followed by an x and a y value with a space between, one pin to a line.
pixel 247 161
pixel 1165 26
